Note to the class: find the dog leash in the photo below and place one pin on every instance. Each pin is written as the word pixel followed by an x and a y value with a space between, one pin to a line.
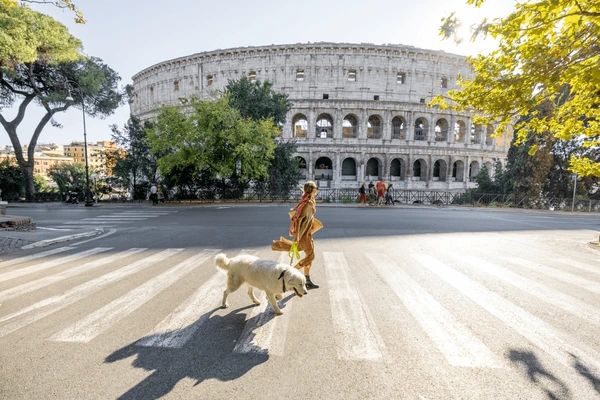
pixel 294 252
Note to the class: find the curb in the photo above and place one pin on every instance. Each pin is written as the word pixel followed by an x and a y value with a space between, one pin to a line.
pixel 48 242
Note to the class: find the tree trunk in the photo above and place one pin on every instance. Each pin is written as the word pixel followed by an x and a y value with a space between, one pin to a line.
pixel 27 170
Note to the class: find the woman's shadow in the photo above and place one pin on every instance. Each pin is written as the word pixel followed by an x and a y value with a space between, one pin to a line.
pixel 207 354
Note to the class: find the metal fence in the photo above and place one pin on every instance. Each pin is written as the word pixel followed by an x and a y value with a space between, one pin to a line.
pixel 349 196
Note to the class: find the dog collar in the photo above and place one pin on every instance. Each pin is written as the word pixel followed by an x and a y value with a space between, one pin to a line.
pixel 283 280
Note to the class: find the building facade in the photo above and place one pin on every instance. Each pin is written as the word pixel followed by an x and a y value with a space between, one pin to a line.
pixel 359 110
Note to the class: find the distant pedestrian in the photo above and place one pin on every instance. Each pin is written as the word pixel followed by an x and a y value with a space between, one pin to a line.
pixel 388 195
pixel 362 194
pixel 380 192
pixel 160 197
pixel 154 194
pixel 372 194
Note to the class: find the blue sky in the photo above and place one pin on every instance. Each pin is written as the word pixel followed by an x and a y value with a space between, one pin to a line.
pixel 130 35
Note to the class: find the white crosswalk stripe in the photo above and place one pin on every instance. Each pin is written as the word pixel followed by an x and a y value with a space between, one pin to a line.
pixel 567 277
pixel 96 323
pixel 551 296
pixel 580 265
pixel 458 344
pixel 356 331
pixel 43 254
pixel 357 336
pixel 121 217
pixel 557 344
pixel 41 309
pixel 179 326
pixel 49 264
pixel 49 280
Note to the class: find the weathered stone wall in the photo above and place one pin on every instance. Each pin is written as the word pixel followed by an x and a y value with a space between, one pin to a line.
pixel 333 81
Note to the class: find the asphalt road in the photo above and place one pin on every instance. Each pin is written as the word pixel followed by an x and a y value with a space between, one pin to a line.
pixel 415 303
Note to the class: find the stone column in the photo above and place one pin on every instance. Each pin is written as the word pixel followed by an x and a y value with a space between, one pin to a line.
pixel 362 132
pixel 310 166
pixel 337 174
pixel 451 129
pixel 410 126
pixel 312 124
pixel 337 123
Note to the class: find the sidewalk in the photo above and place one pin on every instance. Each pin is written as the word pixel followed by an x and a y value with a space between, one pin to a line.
pixel 21 233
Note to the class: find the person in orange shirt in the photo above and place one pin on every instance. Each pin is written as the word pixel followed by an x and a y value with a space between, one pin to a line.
pixel 380 192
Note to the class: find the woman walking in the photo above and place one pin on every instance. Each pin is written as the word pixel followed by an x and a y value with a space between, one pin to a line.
pixel 302 225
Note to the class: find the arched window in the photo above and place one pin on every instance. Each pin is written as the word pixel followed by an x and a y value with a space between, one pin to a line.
pixel 459 132
pixel 476 134
pixel 441 130
pixel 396 169
pixel 473 171
pixel 373 168
pixel 420 129
pixel 324 126
pixel 350 127
pixel 489 131
pixel 374 127
pixel 349 170
pixel 300 126
pixel 458 169
pixel 398 128
pixel 323 169
pixel 417 170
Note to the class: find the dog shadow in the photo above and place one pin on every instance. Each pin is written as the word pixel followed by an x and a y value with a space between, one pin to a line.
pixel 208 354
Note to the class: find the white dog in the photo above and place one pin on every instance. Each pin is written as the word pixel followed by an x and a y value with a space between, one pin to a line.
pixel 275 279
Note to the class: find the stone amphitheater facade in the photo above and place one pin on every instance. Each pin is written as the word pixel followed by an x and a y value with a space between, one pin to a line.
pixel 359 110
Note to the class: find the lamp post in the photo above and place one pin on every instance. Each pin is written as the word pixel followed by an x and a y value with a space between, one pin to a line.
pixel 88 196
pixel 574 178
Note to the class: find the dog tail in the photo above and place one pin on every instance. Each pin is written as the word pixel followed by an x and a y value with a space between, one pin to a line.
pixel 222 262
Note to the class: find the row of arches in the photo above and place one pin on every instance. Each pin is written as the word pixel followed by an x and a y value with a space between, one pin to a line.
pixel 399 129
pixel 399 169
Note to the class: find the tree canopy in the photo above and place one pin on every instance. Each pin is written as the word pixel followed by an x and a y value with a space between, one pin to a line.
pixel 27 36
pixel 257 101
pixel 212 136
pixel 548 51
pixel 90 83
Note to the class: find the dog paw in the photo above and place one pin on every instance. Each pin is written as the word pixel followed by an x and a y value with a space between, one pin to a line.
pixel 225 305
pixel 257 303
pixel 278 296
pixel 279 312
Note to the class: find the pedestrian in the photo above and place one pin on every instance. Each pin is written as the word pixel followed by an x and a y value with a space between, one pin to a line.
pixel 302 226
pixel 372 193
pixel 362 195
pixel 160 197
pixel 388 195
pixel 380 192
pixel 154 194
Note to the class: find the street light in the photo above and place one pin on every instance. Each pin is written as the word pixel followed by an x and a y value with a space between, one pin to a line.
pixel 88 196
pixel 574 178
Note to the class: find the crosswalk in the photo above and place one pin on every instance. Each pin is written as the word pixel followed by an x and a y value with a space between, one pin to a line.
pixel 118 218
pixel 356 326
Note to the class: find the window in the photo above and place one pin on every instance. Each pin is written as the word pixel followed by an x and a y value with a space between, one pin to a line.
pixel 209 80
pixel 350 127
pixel 176 85
pixel 376 97
pixel 444 82
pixel 401 78
pixel 252 76
pixel 299 75
pixel 422 101
pixel 352 75
pixel 151 91
pixel 398 128
pixel 325 96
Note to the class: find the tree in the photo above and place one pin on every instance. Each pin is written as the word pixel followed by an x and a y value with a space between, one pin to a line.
pixel 27 36
pixel 11 180
pixel 257 101
pixel 284 171
pixel 138 164
pixel 212 136
pixel 544 46
pixel 68 177
pixel 91 83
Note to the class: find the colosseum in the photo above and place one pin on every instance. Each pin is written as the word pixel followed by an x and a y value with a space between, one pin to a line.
pixel 359 110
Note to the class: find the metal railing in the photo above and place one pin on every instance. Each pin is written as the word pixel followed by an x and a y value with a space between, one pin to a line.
pixel 350 195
